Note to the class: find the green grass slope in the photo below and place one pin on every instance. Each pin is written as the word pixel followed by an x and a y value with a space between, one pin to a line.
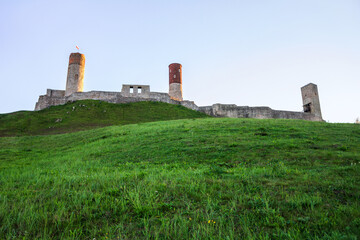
pixel 184 179
pixel 88 114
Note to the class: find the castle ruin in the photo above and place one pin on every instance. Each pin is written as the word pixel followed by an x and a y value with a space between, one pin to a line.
pixel 136 93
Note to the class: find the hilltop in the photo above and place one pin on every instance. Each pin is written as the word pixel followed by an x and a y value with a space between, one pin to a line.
pixel 88 114
pixel 212 178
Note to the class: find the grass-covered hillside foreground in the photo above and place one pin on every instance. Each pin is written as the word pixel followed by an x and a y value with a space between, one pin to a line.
pixel 184 179
pixel 89 114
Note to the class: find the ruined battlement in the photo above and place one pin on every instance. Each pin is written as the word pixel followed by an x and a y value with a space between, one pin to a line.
pixel 136 93
pixel 234 111
pixel 55 93
pixel 135 90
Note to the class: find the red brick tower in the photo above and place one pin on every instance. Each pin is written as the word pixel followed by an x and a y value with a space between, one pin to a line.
pixel 175 81
pixel 75 77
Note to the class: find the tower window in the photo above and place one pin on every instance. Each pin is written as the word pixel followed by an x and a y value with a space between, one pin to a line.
pixel 307 108
pixel 174 76
pixel 179 70
pixel 76 77
pixel 170 70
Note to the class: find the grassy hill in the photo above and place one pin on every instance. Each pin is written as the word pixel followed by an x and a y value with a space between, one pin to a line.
pixel 89 114
pixel 184 179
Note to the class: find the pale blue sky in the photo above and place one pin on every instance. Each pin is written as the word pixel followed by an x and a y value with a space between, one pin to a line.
pixel 249 53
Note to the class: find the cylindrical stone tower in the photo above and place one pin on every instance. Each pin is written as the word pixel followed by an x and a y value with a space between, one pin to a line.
pixel 75 76
pixel 175 81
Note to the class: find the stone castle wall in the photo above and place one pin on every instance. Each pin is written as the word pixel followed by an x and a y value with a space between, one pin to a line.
pixel 233 111
pixel 57 97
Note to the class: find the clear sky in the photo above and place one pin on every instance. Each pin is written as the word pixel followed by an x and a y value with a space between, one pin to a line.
pixel 249 53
